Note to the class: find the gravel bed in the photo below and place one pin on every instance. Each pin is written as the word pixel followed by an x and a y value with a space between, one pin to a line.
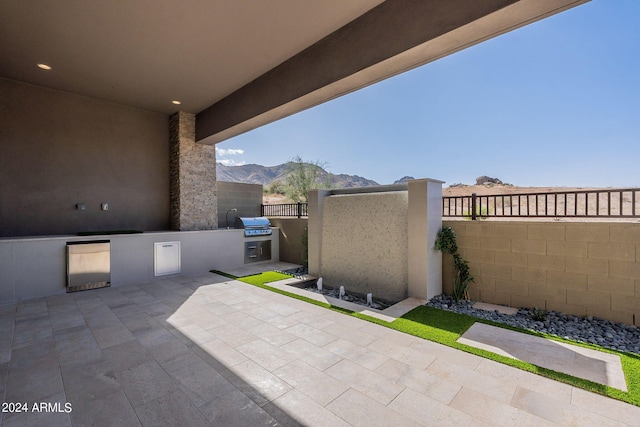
pixel 357 299
pixel 605 333
pixel 298 272
pixel 302 272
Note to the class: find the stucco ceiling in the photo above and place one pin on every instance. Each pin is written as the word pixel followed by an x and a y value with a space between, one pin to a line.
pixel 239 64
pixel 146 53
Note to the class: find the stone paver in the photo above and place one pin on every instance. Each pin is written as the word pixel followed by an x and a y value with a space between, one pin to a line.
pixel 593 365
pixel 207 350
pixel 495 307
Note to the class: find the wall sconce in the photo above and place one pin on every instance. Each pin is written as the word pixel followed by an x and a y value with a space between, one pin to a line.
pixel 81 207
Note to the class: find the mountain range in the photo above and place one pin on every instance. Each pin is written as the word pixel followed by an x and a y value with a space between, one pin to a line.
pixel 267 175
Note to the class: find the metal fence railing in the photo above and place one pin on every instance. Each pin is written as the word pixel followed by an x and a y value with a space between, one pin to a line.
pixel 295 210
pixel 610 203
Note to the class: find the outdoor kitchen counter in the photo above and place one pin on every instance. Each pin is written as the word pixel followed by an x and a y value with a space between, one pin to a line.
pixel 35 266
pixel 107 234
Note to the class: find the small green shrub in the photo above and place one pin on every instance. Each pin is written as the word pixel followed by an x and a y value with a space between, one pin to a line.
pixel 446 243
pixel 539 314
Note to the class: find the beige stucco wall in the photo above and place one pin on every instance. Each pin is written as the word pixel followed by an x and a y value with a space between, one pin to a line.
pixel 291 232
pixel 586 269
pixel 364 243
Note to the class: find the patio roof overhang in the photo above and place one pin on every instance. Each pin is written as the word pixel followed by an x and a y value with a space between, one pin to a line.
pixel 240 65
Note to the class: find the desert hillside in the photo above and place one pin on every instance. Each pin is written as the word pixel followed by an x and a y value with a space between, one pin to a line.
pixel 268 175
pixel 490 189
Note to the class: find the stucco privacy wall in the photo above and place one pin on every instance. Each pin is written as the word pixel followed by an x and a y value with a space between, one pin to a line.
pixel 59 149
pixel 585 269
pixel 292 231
pixel 364 243
pixel 246 198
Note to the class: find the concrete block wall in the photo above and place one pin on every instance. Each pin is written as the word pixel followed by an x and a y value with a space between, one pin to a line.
pixel 585 269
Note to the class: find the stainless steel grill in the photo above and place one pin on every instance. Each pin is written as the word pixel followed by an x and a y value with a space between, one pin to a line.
pixel 257 226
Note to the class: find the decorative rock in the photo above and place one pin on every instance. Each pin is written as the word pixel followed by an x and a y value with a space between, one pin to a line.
pixel 335 293
pixel 590 329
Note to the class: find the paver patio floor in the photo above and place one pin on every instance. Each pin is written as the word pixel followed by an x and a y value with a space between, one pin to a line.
pixel 207 350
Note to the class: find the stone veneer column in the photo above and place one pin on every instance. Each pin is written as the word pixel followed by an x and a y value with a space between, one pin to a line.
pixel 424 222
pixel 194 203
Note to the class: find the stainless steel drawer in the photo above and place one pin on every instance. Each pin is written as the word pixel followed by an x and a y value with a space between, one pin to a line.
pixel 257 251
pixel 88 265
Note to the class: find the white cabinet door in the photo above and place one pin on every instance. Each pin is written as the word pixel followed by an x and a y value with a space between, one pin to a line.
pixel 166 258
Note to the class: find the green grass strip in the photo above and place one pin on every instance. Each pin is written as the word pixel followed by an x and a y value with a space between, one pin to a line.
pixel 445 327
pixel 264 278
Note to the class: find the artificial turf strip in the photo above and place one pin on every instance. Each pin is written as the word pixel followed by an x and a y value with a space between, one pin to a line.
pixel 264 278
pixel 445 327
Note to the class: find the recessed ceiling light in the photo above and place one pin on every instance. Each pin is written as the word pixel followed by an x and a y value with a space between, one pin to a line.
pixel 44 66
pixel 176 102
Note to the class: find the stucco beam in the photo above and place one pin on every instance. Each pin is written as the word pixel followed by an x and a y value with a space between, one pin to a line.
pixel 393 37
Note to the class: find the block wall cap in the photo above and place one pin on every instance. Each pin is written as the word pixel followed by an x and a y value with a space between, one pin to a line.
pixel 437 181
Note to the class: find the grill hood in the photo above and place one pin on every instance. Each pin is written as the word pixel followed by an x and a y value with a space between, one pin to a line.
pixel 254 226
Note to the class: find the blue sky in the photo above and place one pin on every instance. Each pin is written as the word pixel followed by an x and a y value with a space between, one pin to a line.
pixel 556 103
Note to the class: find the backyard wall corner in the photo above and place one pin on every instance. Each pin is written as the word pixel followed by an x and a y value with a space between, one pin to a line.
pixel 292 234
